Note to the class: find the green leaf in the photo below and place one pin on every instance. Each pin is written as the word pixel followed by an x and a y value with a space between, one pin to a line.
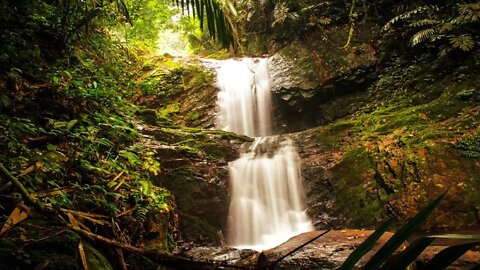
pixel 71 123
pixel 51 147
pixel 412 252
pixel 211 10
pixel 447 256
pixel 401 236
pixel 364 247
pixel 55 157
pixel 422 35
pixel 133 158
pixel 55 79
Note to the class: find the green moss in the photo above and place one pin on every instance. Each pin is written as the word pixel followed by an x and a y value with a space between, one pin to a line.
pixel 214 151
pixel 200 228
pixel 419 123
pixel 362 208
pixel 354 197
pixel 183 181
pixel 95 258
pixel 220 55
pixel 328 137
pixel 59 253
pixel 195 197
pixel 302 57
pixel 469 147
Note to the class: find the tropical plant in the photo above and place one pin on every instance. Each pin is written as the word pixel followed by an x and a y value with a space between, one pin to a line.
pixel 437 24
pixel 212 13
pixel 384 258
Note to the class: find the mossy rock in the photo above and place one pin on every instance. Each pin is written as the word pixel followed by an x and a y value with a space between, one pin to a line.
pixel 95 258
pixel 201 202
pixel 58 252
pixel 355 189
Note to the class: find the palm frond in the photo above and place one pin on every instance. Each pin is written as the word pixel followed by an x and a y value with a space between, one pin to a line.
pixel 122 8
pixel 211 13
pixel 384 253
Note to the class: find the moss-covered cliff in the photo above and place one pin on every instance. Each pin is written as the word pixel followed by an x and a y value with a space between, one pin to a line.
pixel 382 127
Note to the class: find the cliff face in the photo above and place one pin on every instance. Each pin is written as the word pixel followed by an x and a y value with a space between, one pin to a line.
pixel 382 129
pixel 382 138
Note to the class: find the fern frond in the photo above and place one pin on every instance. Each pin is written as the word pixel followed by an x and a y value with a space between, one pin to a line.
pixel 324 20
pixel 470 12
pixel 423 22
pixel 446 27
pixel 280 13
pixel 141 213
pixel 407 15
pixel 422 35
pixel 462 42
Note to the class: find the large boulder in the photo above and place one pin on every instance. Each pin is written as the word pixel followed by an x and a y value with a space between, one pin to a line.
pixel 328 251
pixel 353 183
pixel 316 81
pixel 194 165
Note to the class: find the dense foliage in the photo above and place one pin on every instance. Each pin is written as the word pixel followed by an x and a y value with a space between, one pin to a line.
pixel 67 124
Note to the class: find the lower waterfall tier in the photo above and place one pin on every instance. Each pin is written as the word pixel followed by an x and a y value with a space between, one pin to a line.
pixel 267 196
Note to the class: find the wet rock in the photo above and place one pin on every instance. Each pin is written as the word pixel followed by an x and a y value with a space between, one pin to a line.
pixel 469 260
pixel 327 252
pixel 333 248
pixel 353 183
pixel 194 167
pixel 318 157
pixel 222 255
pixel 314 82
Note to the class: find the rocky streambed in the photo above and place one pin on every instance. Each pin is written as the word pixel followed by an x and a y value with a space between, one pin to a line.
pixel 328 250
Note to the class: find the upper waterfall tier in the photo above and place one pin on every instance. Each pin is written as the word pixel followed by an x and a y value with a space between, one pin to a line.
pixel 244 100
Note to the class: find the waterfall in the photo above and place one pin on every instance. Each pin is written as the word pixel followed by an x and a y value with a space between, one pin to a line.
pixel 266 185
pixel 244 101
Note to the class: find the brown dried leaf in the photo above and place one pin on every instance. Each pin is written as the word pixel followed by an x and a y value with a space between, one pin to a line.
pixel 72 220
pixel 15 217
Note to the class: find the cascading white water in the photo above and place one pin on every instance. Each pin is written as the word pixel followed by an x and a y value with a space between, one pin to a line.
pixel 266 185
pixel 266 207
pixel 244 101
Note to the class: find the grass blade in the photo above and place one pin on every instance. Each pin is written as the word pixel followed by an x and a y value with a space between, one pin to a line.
pixel 400 236
pixel 364 247
pixel 410 254
pixel 419 245
pixel 472 237
pixel 447 256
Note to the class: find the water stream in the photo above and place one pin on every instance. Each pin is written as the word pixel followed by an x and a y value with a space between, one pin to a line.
pixel 267 200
